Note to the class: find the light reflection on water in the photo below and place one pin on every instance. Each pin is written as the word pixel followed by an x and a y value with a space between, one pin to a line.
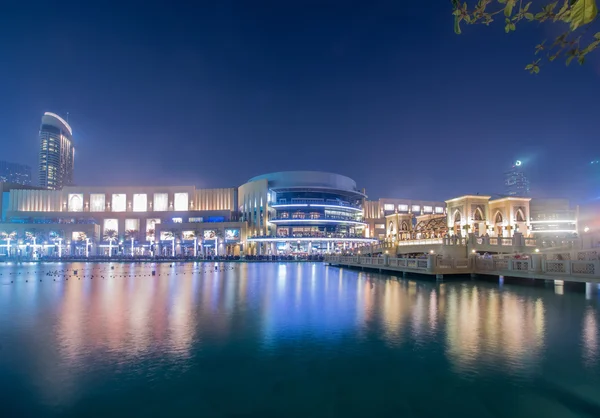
pixel 65 341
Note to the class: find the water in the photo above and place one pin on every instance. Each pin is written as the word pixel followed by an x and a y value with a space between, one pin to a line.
pixel 290 340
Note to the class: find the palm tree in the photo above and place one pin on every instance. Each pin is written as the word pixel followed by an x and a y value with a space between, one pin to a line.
pixel 132 234
pixel 172 235
pixel 33 236
pixel 110 235
pixel 8 236
pixel 57 235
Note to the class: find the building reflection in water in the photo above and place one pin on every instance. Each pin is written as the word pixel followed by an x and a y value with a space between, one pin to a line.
pixel 134 316
pixel 590 337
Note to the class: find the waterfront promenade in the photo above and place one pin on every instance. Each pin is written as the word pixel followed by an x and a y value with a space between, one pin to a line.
pixel 581 267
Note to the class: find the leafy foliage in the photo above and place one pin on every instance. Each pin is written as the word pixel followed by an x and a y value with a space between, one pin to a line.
pixel 574 43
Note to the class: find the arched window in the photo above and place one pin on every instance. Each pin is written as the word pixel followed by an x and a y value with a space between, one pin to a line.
pixel 520 216
pixel 456 216
pixel 498 219
pixel 404 226
pixel 390 228
pixel 478 216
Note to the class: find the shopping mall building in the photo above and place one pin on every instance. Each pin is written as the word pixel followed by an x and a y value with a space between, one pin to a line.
pixel 295 212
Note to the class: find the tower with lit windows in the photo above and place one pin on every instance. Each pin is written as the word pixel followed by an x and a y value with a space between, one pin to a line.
pixel 57 153
pixel 516 182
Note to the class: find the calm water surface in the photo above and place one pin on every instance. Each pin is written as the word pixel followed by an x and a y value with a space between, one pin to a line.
pixel 290 340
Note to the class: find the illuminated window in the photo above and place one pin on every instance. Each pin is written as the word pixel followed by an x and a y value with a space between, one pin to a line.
pixel 140 202
pixel 210 234
pixel 161 202
pixel 78 236
pixel 403 208
pixel 232 234
pixel 111 224
pixel 439 209
pixel 181 201
pixel 428 209
pixel 416 208
pixel 388 206
pixel 380 226
pixel 97 203
pixel 151 228
pixel 132 224
pixel 188 235
pixel 76 202
pixel 119 202
pixel 177 220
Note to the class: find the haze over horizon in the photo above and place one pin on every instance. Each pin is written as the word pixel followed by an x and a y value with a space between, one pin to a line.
pixel 214 94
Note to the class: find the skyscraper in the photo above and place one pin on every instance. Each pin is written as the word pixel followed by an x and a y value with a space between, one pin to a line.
pixel 57 153
pixel 15 173
pixel 516 182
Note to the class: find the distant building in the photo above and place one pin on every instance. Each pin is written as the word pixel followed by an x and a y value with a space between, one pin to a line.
pixel 57 153
pixel 516 182
pixel 554 217
pixel 15 173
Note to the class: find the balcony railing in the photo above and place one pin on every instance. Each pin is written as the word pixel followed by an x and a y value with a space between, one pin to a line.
pixel 315 203
pixel 322 218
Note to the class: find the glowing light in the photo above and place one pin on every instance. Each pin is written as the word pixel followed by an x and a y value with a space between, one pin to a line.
pixel 537 250
pixel 586 229
pixel 518 163
pixel 64 122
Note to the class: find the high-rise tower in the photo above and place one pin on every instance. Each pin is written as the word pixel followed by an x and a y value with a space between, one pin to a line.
pixel 516 182
pixel 57 153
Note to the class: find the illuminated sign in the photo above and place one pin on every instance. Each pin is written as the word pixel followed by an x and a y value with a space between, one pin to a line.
pixel 210 234
pixel 232 234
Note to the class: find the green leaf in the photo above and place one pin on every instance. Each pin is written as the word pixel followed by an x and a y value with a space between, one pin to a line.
pixel 529 67
pixel 581 59
pixel 570 59
pixel 582 13
pixel 509 8
pixel 528 16
pixel 526 7
pixel 457 25
pixel 536 69
pixel 597 35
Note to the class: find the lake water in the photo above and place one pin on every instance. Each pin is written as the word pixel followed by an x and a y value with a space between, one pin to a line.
pixel 290 340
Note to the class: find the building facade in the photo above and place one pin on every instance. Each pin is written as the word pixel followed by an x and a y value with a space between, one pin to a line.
pixel 57 153
pixel 15 173
pixel 554 218
pixel 389 218
pixel 176 220
pixel 302 212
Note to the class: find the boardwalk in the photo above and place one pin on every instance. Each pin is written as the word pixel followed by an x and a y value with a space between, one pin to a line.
pixel 586 268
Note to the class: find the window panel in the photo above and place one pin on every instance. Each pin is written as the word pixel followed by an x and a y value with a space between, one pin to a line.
pixel 161 202
pixel 388 206
pixel 140 202
pixel 181 201
pixel 119 202
pixel 416 208
pixel 403 208
pixel 439 209
pixel 75 202
pixel 111 224
pixel 428 209
pixel 97 203
pixel 132 224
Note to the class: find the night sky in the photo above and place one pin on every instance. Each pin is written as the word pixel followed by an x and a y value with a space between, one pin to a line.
pixel 213 94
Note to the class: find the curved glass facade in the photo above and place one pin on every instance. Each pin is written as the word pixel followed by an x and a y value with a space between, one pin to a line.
pixel 303 212
pixel 57 154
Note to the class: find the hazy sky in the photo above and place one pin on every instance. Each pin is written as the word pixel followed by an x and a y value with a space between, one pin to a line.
pixel 215 93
